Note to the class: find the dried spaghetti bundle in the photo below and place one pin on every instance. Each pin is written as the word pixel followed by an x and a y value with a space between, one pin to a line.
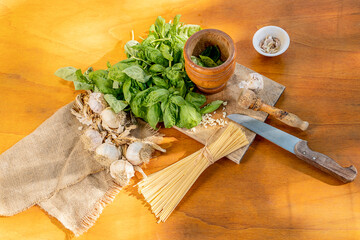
pixel 164 189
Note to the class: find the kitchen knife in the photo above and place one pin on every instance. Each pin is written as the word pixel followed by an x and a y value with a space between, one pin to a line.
pixel 296 146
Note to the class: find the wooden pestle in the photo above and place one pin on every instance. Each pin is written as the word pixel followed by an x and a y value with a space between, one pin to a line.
pixel 248 99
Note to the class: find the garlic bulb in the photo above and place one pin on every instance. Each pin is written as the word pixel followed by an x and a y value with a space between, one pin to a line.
pixel 107 153
pixel 254 82
pixel 138 153
pixel 122 171
pixel 92 139
pixel 97 102
pixel 111 119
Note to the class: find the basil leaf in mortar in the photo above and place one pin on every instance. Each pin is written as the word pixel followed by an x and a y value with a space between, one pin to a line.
pixel 208 62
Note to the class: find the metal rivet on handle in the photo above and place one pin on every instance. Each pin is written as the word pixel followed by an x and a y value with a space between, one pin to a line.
pixel 304 152
pixel 314 158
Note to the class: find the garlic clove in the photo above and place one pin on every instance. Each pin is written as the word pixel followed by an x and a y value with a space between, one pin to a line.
pixel 111 119
pixel 97 102
pixel 122 171
pixel 138 153
pixel 107 153
pixel 255 82
pixel 91 139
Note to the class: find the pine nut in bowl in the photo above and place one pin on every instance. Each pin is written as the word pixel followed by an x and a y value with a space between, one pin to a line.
pixel 210 59
pixel 271 41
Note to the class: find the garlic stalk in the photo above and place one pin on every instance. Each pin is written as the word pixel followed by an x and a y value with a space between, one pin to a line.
pixel 122 171
pixel 139 169
pixel 107 153
pixel 138 153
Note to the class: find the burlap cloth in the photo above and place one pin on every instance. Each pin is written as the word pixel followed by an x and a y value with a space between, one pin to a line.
pixel 51 168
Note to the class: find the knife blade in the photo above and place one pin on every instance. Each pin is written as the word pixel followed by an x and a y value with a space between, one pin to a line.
pixel 296 146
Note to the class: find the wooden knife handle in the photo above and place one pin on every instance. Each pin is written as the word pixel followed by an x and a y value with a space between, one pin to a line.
pixel 324 163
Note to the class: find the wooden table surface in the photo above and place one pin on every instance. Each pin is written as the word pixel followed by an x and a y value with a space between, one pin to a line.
pixel 271 194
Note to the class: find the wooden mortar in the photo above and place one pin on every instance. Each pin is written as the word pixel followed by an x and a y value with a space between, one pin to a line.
pixel 210 80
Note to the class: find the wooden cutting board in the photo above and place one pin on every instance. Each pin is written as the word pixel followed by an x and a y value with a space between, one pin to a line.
pixel 270 94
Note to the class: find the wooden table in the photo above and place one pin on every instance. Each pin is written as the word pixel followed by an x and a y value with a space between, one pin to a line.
pixel 271 194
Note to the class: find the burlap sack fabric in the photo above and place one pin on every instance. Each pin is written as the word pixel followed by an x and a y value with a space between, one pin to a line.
pixel 51 168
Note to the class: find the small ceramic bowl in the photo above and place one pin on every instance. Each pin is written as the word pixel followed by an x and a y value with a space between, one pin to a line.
pixel 274 31
pixel 210 80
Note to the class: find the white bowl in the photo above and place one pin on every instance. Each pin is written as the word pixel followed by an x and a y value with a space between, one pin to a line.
pixel 274 31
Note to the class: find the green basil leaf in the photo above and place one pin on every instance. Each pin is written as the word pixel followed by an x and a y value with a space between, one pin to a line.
pixel 178 100
pixel 126 90
pixel 114 103
pixel 83 86
pixel 207 51
pixel 174 76
pixel 175 25
pixel 137 73
pixel 189 116
pixel 66 73
pixel 170 115
pixel 158 95
pixel 178 52
pixel 153 115
pixel 108 64
pixel 208 62
pixel 196 99
pixel 89 70
pixel 181 86
pixel 150 39
pixel 197 61
pixel 157 68
pixel 177 66
pixel 164 104
pixel 160 82
pixel 219 62
pixel 80 77
pixel 129 48
pixel 212 52
pixel 104 85
pixel 160 26
pixel 116 71
pixel 215 54
pixel 211 107
pixel 136 103
pixel 165 51
pixel 155 56
pixel 189 29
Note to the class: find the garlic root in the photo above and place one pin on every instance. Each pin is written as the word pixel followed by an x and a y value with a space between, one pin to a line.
pixel 138 153
pixel 107 153
pixel 122 171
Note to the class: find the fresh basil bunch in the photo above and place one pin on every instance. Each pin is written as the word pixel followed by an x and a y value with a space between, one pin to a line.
pixel 152 82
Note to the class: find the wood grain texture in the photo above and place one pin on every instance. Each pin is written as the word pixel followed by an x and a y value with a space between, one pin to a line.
pixel 271 93
pixel 271 194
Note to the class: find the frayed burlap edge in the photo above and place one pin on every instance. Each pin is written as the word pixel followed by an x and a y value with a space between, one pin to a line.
pixel 91 217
